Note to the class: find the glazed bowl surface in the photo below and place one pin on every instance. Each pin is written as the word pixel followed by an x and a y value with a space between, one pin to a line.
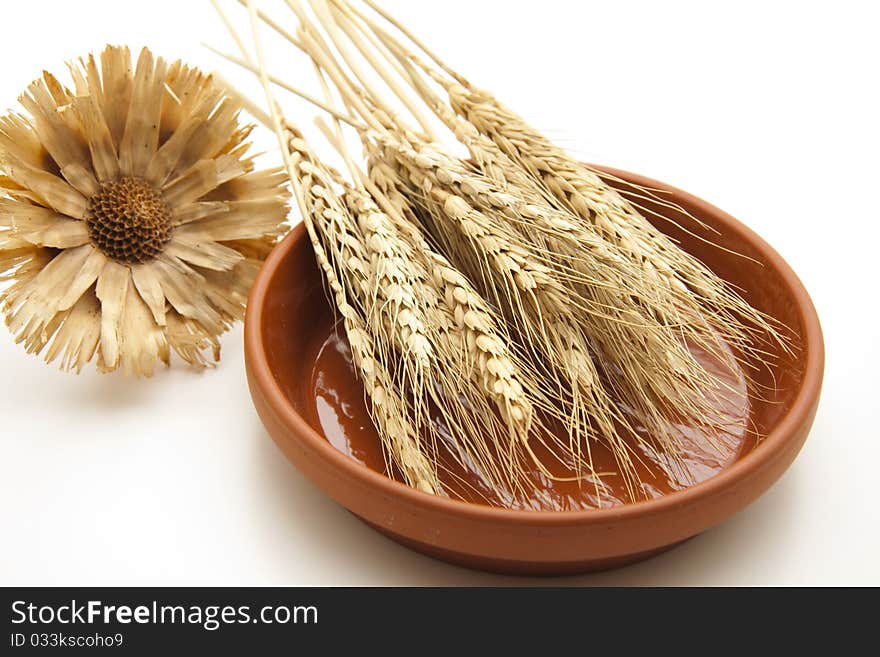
pixel 288 305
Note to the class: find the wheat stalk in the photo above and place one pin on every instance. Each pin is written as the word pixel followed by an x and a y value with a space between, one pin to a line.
pixel 517 282
pixel 477 330
pixel 521 284
pixel 317 201
pixel 392 292
pixel 666 268
pixel 501 262
pixel 477 350
pixel 667 291
pixel 422 325
pixel 359 265
pixel 675 303
pixel 340 254
pixel 466 360
pixel 501 371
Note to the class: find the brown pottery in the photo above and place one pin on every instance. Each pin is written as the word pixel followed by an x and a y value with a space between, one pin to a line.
pixel 288 304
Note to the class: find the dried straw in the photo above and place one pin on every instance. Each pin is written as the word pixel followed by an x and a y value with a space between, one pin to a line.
pixel 503 294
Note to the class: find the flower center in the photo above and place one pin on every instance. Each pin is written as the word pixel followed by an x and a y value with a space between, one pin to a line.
pixel 129 221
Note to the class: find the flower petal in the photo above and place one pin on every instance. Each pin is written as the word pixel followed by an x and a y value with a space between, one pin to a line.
pixel 201 179
pixel 22 217
pixel 42 227
pixel 184 292
pixel 256 251
pixel 20 266
pixel 193 211
pixel 83 279
pixel 116 82
pixel 80 74
pixel 254 186
pixel 77 338
pixel 65 234
pixel 228 290
pixel 16 192
pixel 141 137
pixel 60 131
pixel 112 291
pixel 89 104
pixel 10 243
pixel 100 140
pixel 197 249
pixel 52 190
pixel 34 305
pixel 242 220
pixel 143 342
pixel 189 339
pixel 236 144
pixel 18 138
pixel 148 286
pixel 186 87
pixel 208 141
pixel 166 158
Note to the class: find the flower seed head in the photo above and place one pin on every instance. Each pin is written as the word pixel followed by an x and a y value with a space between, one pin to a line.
pixel 129 221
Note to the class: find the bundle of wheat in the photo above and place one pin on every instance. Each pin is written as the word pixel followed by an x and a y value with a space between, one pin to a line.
pixel 514 294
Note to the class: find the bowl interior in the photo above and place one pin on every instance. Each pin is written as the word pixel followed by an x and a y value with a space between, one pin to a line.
pixel 296 316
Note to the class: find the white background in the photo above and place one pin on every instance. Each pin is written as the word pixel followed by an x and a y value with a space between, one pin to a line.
pixel 766 109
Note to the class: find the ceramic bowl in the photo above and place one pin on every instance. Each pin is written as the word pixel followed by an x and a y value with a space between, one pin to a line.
pixel 288 299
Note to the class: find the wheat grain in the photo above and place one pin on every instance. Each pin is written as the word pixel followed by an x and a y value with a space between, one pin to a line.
pixel 477 331
pixel 666 269
pixel 500 261
pixel 340 255
pixel 517 282
pixel 653 295
pixel 477 349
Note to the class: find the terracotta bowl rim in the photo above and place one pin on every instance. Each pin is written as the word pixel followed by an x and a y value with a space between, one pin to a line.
pixel 775 442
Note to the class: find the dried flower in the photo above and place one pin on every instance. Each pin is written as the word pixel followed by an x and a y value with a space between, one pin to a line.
pixel 131 220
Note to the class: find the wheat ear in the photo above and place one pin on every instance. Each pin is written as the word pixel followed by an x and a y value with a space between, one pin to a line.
pixel 499 260
pixel 339 252
pixel 658 312
pixel 466 361
pixel 387 408
pixel 487 355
